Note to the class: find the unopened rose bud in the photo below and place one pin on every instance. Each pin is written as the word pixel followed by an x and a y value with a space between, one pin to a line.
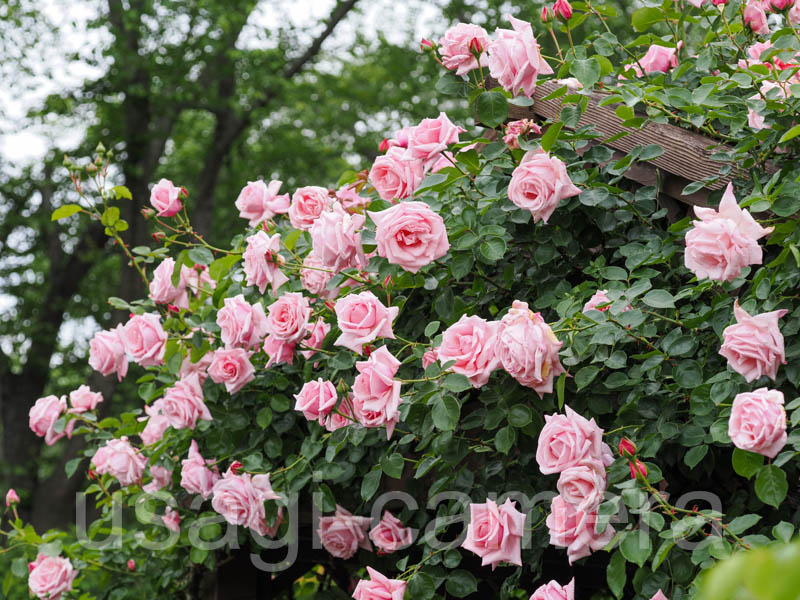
pixel 131 565
pixel 367 350
pixel 627 447
pixel 330 305
pixel 547 15
pixel 475 46
pixel 185 192
pixel 31 567
pixel 719 2
pixel 148 212
pixel 425 45
pixel 67 162
pixel 100 148
pixel 384 145
pixel 11 497
pixel 91 473
pixel 172 308
pixel 236 467
pixel 158 236
pixel 91 168
pixel 638 467
pixel 563 10
pixel 781 4
pixel 388 281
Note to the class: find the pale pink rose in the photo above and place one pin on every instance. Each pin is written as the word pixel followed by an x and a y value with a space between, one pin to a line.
pixel 756 17
pixel 410 235
pixel 120 460
pixel 50 576
pixel 43 415
pixel 430 357
pixel 379 587
pixel 84 399
pixel 11 498
pixel 342 534
pixel 758 422
pixel 166 198
pixel 659 59
pixel 341 416
pixel 317 332
pixel 394 177
pixel 515 60
pixel 197 279
pixel 316 399
pixel 569 439
pixel 552 590
pixel 362 318
pixel 107 353
pixel 258 202
pixel 528 349
pixel 455 50
pixel 390 535
pixel 162 477
pixel 757 121
pixel 336 240
pixel 233 368
pixel 794 14
pixel 240 499
pixel 288 317
pixel 432 137
pixel 376 394
pixel 494 532
pixel 278 351
pixel 198 475
pixel 200 367
pixel 172 520
pixel 575 530
pixel 754 345
pixel 242 325
pixel 517 128
pixel 350 199
pixel 183 404
pixel 754 53
pixel 145 340
pixel 471 342
pixel 583 485
pixel 400 138
pixel 598 298
pixel 262 260
pixel 161 289
pixel 539 184
pixel 315 276
pixel 154 429
pixel 307 205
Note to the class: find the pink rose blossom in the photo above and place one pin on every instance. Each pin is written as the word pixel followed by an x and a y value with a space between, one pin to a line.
pixel 554 591
pixel 754 345
pixel 240 499
pixel 172 520
pixel 43 415
pixel 794 14
pixel 756 17
pixel 575 530
pixel 154 428
pixel 757 121
pixel 336 240
pixel 183 404
pixel 233 368
pixel 362 318
pixel 514 58
pixel 410 235
pixel 107 353
pixel 259 202
pixel 316 399
pixel 161 289
pixel 261 261
pixel 598 298
pixel 350 199
pixel 390 535
pixel 120 460
pixel 454 47
pixel 162 477
pixel 518 128
pixel 494 532
pixel 145 340
pixel 658 59
pixel 50 576
pixel 376 394
pixel 379 587
pixel 400 137
pixel 307 205
pixel 197 279
pixel 317 332
pixel 198 475
pixel 341 416
pixel 562 9
pixel 242 325
pixel 430 357
pixel 471 343
pixel 278 351
pixel 166 198
pixel 200 367
pixel 315 276
pixel 394 177
pixel 343 534
pixel 432 137
pixel 569 439
pixel 583 485
pixel 84 399
pixel 288 317
pixel 758 422
pixel 659 595
pixel 11 498
pixel 539 184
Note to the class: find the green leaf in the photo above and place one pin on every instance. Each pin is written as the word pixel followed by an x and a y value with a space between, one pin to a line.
pixel 560 384
pixel 264 417
pixel 791 134
pixel 650 152
pixel 222 266
pixel 636 547
pixel 505 439
pixel 771 485
pixel 110 216
pixel 695 455
pixel 431 328
pixel 645 17
pixel 369 485
pixel 461 583
pixel 392 465
pixel 492 108
pixel 551 135
pixel 446 412
pixel 586 71
pixel 456 382
pixel 19 567
pixel 743 523
pixel 520 415
pixel 659 299
pixel 71 466
pixel 122 193
pixel 201 256
pixel 616 575
pixel 746 463
pixel 493 248
pixel 585 376
pixel 62 212
pixel 421 586
pixel 688 374
pixel 461 265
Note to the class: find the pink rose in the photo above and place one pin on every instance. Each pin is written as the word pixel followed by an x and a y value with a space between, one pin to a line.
pixel 166 198
pixel 198 475
pixel 107 352
pixel 410 235
pixel 316 399
pixel 471 342
pixel 172 520
pixel 278 351
pixel 233 368
pixel 258 202
pixel 454 47
pixel 43 416
pixel 154 428
pixel 794 14
pixel 432 137
pixel 390 535
pixel 335 239
pixel 240 499
pixel 161 289
pixel 756 17
pixel 430 357
pixel 350 199
pixel 539 183
pixel 242 325
pixel 494 532
pixel 120 460
pixel 758 422
pixel 528 348
pixel 552 590
pixel 50 576
pixel 515 60
pixel 200 367
pixel 288 317
pixel 162 477
pixel 261 261
pixel 315 276
pixel 84 399
pixel 569 439
pixel 724 241
pixel 376 394
pixel 583 485
pixel 317 333
pixel 145 340
pixel 754 345
pixel 518 128
pixel 11 498
pixel 575 530
pixel 379 587
pixel 342 534
pixel 659 595
pixel 362 318
pixel 307 205
pixel 183 404
pixel 757 121
pixel 341 416
pixel 394 177
pixel 400 138
pixel 658 59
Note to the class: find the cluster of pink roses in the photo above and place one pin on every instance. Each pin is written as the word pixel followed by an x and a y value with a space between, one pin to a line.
pixel 342 534
pixel 44 414
pixel 756 11
pixel 163 292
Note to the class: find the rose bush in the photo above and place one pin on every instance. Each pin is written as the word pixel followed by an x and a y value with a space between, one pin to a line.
pixel 470 329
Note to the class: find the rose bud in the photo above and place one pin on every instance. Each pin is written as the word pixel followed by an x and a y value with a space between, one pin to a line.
pixel 638 467
pixel 563 10
pixel 627 447
pixel 547 15
pixel 384 145
pixel 131 565
pixel 475 46
pixel 425 45
pixel 12 497
pixel 148 212
pixel 236 467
